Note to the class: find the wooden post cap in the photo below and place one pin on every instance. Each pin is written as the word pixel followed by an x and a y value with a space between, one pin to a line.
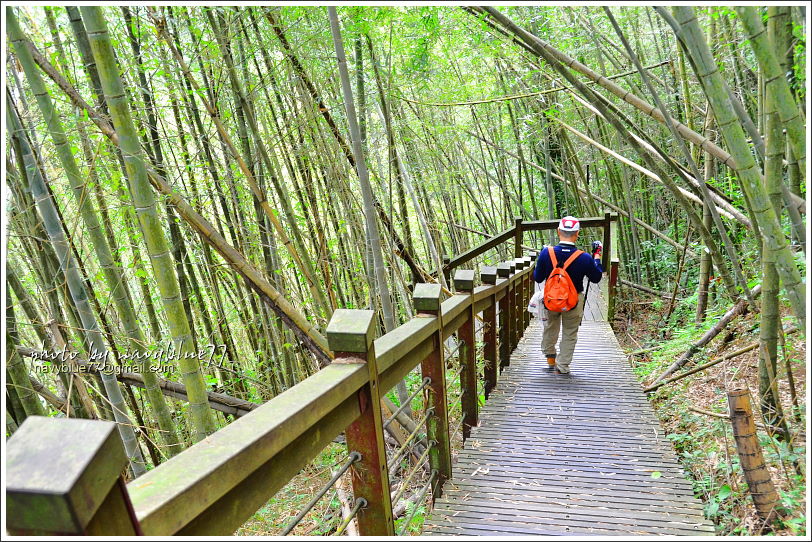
pixel 520 263
pixel 527 261
pixel 533 255
pixel 59 471
pixel 464 280
pixel 503 270
pixel 488 274
pixel 511 265
pixel 427 297
pixel 350 330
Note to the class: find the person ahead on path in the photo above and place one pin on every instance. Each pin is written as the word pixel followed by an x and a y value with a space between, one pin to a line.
pixel 577 267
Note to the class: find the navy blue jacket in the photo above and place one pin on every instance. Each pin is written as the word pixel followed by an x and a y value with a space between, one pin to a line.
pixel 583 266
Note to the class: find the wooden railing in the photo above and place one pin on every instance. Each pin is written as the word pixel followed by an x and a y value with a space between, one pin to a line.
pixel 516 234
pixel 64 475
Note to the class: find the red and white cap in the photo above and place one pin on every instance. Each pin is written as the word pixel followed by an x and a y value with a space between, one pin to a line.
pixel 569 223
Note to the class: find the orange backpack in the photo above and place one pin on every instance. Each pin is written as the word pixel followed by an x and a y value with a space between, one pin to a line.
pixel 559 291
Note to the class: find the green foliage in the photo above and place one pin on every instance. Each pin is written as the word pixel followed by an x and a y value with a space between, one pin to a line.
pixel 426 54
pixel 416 524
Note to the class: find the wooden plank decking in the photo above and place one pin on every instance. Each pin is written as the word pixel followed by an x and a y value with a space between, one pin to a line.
pixel 567 455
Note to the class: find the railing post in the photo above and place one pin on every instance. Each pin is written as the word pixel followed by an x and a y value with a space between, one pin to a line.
pixel 519 234
pixel 521 285
pixel 488 276
pixel 531 280
pixel 610 304
pixel 503 271
pixel 446 272
pixel 350 336
pixel 609 256
pixel 427 305
pixel 607 238
pixel 64 478
pixel 464 283
pixel 528 292
pixel 514 305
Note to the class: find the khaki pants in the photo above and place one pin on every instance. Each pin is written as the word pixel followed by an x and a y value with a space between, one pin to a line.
pixel 553 321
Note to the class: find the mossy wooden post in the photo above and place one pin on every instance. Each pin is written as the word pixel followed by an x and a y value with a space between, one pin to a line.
pixel 518 316
pixel 755 471
pixel 464 283
pixel 427 305
pixel 63 477
pixel 350 337
pixel 488 276
pixel 534 255
pixel 503 272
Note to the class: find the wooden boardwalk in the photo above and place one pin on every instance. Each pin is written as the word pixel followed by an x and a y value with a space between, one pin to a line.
pixel 568 455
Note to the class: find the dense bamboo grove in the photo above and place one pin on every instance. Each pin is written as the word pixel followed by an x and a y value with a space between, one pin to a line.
pixel 204 186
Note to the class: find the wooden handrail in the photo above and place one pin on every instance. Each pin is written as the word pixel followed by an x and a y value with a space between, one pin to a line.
pixel 510 233
pixel 182 490
pixel 542 225
pixel 481 248
pixel 216 485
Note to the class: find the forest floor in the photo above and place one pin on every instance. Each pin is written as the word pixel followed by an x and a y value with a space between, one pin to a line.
pixel 704 443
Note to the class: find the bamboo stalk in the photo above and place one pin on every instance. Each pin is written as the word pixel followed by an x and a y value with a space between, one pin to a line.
pixel 20 380
pixel 258 192
pixel 301 327
pixel 755 471
pixel 144 202
pixel 610 112
pixel 518 96
pixel 78 292
pixel 111 268
pixel 687 28
pixel 776 82
pixel 654 231
pixel 634 165
pixel 646 289
pixel 631 99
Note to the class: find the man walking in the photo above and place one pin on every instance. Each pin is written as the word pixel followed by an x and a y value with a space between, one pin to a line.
pixel 577 265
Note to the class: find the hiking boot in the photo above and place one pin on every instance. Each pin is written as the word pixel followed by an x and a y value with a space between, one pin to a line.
pixel 558 371
pixel 550 362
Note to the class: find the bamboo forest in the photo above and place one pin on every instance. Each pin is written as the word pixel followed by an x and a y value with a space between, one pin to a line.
pixel 291 270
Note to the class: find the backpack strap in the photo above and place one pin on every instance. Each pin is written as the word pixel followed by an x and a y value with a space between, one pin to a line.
pixel 572 258
pixel 551 253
